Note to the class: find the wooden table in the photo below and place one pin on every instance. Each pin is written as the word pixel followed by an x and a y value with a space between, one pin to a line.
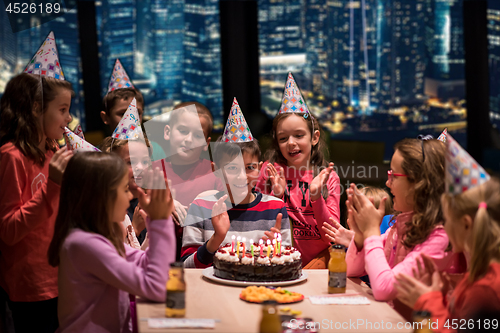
pixel 207 299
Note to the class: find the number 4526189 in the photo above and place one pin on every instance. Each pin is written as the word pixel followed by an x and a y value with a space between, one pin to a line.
pixel 482 324
pixel 33 8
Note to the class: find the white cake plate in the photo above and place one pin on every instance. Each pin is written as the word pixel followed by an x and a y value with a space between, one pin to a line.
pixel 209 274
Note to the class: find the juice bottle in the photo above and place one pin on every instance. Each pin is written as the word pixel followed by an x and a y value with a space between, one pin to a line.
pixel 270 322
pixel 337 270
pixel 422 322
pixel 176 291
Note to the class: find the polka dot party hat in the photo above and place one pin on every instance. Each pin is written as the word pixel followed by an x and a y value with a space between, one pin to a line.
pixel 462 171
pixel 76 143
pixel 237 129
pixel 292 100
pixel 46 61
pixel 119 78
pixel 129 126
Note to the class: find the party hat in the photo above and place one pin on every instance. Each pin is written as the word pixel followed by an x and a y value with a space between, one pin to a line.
pixel 75 143
pixel 129 126
pixel 292 98
pixel 46 62
pixel 79 131
pixel 462 171
pixel 237 129
pixel 119 78
pixel 442 136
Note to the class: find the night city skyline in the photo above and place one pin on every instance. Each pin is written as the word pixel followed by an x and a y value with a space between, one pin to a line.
pixel 364 66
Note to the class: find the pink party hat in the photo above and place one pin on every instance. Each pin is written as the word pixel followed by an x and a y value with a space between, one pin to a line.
pixel 129 126
pixel 79 131
pixel 442 136
pixel 237 129
pixel 119 78
pixel 77 144
pixel 292 98
pixel 462 171
pixel 46 61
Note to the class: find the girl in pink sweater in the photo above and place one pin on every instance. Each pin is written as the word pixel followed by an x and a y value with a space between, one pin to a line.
pixel 96 270
pixel 416 180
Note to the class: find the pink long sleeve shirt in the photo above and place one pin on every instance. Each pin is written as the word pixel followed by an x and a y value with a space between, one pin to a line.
pixel 95 281
pixel 384 257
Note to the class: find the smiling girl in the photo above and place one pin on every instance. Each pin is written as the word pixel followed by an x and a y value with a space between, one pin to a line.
pixel 34 112
pixel 416 180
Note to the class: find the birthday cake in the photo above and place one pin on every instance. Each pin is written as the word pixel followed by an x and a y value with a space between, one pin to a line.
pixel 263 266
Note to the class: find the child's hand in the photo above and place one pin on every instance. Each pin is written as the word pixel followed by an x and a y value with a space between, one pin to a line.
pixel 221 224
pixel 410 289
pixel 139 220
pixel 319 182
pixel 274 230
pixel 179 213
pixel 366 216
pixel 336 233
pixel 278 180
pixel 58 163
pixel 158 203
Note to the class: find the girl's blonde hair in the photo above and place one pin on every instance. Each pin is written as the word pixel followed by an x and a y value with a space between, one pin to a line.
pixel 88 192
pixel 23 96
pixel 486 226
pixel 424 163
pixel 377 194
pixel 108 144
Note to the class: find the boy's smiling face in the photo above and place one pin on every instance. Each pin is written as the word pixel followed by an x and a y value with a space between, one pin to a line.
pixel 240 174
pixel 187 137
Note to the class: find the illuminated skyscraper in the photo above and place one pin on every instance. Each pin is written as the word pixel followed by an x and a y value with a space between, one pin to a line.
pixel 280 27
pixel 445 40
pixel 202 63
pixel 494 60
pixel 117 29
pixel 315 44
pixel 167 36
pixel 352 37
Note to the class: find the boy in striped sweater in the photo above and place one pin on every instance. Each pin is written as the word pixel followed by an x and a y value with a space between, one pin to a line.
pixel 238 210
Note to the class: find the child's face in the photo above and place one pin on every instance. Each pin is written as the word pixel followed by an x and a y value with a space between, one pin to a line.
pixel 400 187
pixel 117 112
pixel 240 174
pixel 57 116
pixel 122 202
pixel 456 231
pixel 187 138
pixel 294 140
pixel 139 160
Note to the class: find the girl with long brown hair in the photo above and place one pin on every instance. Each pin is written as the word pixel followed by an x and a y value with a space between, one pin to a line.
pixel 296 170
pixel 96 269
pixel 33 113
pixel 416 180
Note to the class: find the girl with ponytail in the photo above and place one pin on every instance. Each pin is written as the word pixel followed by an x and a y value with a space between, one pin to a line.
pixel 472 222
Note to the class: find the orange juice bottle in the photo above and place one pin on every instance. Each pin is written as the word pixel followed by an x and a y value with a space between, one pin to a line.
pixel 176 291
pixel 270 321
pixel 337 269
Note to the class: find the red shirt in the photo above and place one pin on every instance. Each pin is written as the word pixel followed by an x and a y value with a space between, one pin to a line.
pixel 465 301
pixel 29 203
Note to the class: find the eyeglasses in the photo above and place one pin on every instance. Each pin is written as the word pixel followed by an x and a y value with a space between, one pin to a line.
pixel 391 175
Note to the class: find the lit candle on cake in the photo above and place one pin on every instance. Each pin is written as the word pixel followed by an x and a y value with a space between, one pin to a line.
pixel 238 246
pixel 251 246
pixel 268 248
pixel 275 247
pixel 261 245
pixel 279 243
pixel 232 243
pixel 244 251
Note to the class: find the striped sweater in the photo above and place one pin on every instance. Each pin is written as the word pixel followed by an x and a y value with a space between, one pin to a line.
pixel 247 220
